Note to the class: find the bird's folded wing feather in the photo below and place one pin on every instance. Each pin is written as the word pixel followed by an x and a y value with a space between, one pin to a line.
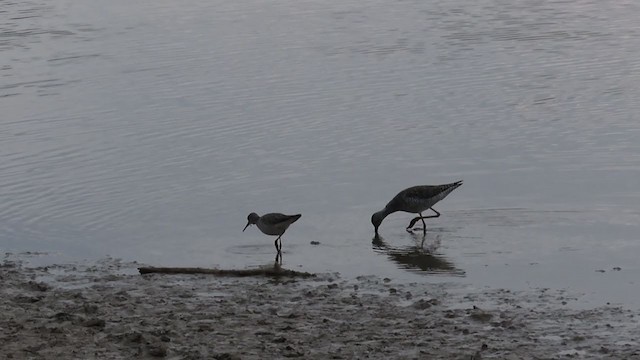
pixel 276 218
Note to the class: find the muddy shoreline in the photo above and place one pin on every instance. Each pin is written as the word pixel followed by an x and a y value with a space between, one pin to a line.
pixel 105 310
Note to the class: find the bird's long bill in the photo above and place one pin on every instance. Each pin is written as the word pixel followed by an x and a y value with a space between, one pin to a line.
pixel 245 228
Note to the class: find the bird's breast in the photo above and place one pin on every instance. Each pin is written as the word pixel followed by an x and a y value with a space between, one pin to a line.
pixel 270 229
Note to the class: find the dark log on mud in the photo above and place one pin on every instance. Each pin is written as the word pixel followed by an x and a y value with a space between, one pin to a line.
pixel 270 272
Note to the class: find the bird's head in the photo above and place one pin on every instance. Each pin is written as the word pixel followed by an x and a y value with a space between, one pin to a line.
pixel 251 219
pixel 376 220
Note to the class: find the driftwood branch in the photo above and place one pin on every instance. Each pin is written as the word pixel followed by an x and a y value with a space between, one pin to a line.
pixel 271 272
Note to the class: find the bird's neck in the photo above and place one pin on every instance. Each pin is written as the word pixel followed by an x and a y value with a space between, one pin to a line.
pixel 385 212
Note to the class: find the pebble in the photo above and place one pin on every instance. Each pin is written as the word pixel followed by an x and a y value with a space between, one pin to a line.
pixel 480 315
pixel 279 340
pixel 95 322
pixel 226 356
pixel 421 304
pixel 158 350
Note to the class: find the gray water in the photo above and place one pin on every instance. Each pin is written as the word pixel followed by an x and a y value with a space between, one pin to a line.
pixel 149 130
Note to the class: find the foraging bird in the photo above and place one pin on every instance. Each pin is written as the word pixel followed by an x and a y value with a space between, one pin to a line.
pixel 415 200
pixel 272 224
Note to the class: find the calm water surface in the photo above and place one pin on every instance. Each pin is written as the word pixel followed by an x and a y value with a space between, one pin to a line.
pixel 148 130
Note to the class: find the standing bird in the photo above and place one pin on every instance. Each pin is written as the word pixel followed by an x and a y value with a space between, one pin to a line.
pixel 272 224
pixel 415 200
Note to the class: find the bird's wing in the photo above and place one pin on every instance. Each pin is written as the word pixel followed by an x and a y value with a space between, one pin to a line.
pixel 439 192
pixel 278 218
pixel 421 193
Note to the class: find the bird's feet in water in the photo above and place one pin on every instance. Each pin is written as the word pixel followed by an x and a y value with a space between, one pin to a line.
pixel 277 266
pixel 411 230
pixel 413 221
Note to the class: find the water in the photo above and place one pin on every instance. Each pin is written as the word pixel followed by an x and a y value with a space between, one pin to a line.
pixel 150 130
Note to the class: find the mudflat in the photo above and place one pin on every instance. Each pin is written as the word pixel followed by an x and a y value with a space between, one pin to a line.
pixel 106 310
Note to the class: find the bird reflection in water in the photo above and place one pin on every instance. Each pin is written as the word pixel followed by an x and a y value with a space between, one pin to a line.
pixel 417 256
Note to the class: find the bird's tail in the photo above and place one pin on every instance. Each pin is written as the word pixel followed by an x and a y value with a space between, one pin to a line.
pixel 454 184
pixel 295 217
pixel 446 189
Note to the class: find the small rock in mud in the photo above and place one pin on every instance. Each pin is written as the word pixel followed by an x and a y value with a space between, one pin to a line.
pixel 8 264
pixel 158 350
pixel 617 268
pixel 226 356
pixel 279 340
pixel 90 308
pixel 134 337
pixel 600 270
pixel 38 286
pixel 28 299
pixel 450 314
pixel 422 304
pixel 63 316
pixel 315 242
pixel 95 322
pixel 290 352
pixel 480 315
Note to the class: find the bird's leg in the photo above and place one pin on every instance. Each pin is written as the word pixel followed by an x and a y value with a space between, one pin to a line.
pixel 414 220
pixel 279 249
pixel 424 225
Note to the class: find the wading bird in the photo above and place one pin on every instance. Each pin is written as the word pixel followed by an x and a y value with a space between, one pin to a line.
pixel 415 200
pixel 272 224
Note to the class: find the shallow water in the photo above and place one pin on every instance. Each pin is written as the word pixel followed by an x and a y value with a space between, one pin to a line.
pixel 149 131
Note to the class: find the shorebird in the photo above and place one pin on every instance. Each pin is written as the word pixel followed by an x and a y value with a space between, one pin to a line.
pixel 415 200
pixel 272 224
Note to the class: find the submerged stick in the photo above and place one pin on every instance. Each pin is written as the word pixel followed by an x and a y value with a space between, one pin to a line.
pixel 273 272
